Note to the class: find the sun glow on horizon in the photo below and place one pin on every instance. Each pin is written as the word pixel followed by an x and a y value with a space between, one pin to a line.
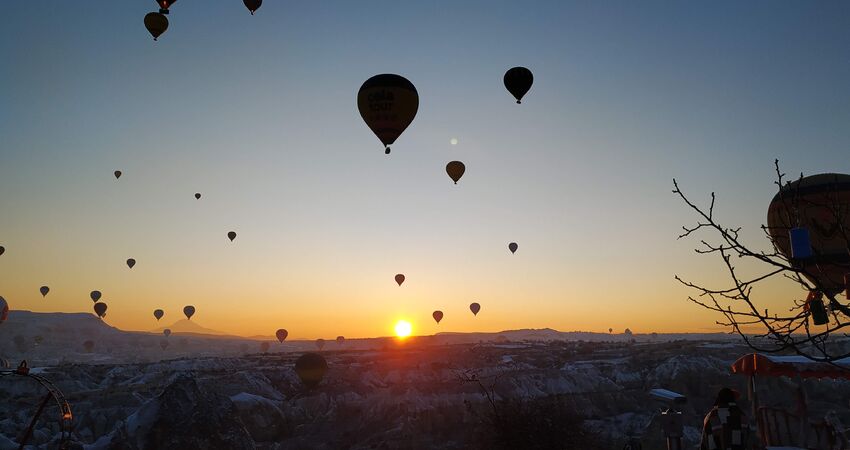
pixel 403 329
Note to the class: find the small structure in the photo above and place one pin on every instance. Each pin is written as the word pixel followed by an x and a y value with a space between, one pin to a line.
pixel 53 393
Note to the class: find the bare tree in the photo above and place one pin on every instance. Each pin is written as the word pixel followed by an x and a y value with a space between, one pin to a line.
pixel 792 331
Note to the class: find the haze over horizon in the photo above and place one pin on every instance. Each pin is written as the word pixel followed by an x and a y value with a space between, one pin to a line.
pixel 258 114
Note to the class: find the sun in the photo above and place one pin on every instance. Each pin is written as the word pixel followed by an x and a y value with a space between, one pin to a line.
pixel 403 328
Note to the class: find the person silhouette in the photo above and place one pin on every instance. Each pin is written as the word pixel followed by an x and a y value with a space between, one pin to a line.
pixel 725 426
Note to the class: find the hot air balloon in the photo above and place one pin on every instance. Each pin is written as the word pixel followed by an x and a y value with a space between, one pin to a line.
pixel 253 5
pixel 340 339
pixel 803 222
pixel 197 195
pixel 189 311
pixel 311 368
pixel 156 23
pixel 100 309
pixel 88 345
pixel 44 290
pixel 264 346
pixel 231 235
pixel 2 249
pixel 4 310
pixel 281 334
pixel 117 174
pixel 95 296
pixel 518 81
pixel 455 169
pixel 475 307
pixel 163 344
pixel 513 247
pixel 320 343
pixel 437 315
pixel 5 364
pixel 388 104
pixel 610 330
pixel 131 262
pixel 158 313
pixel 166 332
pixel 399 278
pixel 164 5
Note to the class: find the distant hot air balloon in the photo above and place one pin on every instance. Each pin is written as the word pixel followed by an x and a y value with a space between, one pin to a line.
pixel 610 330
pixel 131 262
pixel 100 309
pixel 231 235
pixel 437 315
pixel 2 249
pixel 281 334
pixel 455 169
pixel 264 346
pixel 5 364
pixel 518 81
pixel 320 343
pixel 340 339
pixel 166 332
pixel 197 195
pixel 158 313
pixel 399 278
pixel 95 296
pixel 513 247
pixel 475 307
pixel 189 311
pixel 311 368
pixel 253 5
pixel 117 174
pixel 88 345
pixel 44 290
pixel 163 344
pixel 156 23
pixel 4 310
pixel 388 104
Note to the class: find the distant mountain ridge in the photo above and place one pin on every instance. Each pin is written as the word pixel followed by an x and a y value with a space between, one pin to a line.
pixel 186 326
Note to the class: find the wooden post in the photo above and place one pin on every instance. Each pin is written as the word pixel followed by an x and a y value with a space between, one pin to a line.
pixel 28 433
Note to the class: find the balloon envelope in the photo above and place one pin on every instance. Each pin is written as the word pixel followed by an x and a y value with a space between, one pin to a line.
pixel 100 309
pixel 166 332
pixel 513 247
pixel 340 339
pixel 437 315
pixel 399 278
pixel 44 290
pixel 253 5
pixel 158 313
pixel 117 174
pixel 231 235
pixel 475 307
pixel 455 169
pixel 189 311
pixel 131 262
pixel 95 296
pixel 518 81
pixel 197 195
pixel 281 334
pixel 165 4
pixel 320 343
pixel 311 368
pixel 814 204
pixel 2 249
pixel 4 310
pixel 388 104
pixel 156 23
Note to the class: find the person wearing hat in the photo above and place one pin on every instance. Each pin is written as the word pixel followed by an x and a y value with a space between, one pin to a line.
pixel 725 427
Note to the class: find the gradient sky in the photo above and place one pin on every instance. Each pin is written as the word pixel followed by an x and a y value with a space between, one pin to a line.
pixel 259 115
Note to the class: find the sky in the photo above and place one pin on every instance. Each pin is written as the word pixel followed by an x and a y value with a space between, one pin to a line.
pixel 258 114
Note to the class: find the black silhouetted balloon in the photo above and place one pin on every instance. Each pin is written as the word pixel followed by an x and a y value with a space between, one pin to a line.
pixel 281 334
pixel 2 249
pixel 475 307
pixel 399 278
pixel 95 296
pixel 437 315
pixel 512 247
pixel 88 345
pixel 610 330
pixel 166 332
pixel 264 346
pixel 100 309
pixel 518 81
pixel 320 343
pixel 455 169
pixel 44 290
pixel 189 311
pixel 158 313
pixel 197 195
pixel 340 339
pixel 388 104
pixel 253 5
pixel 131 262
pixel 4 310
pixel 311 368
pixel 156 23
pixel 117 174
pixel 231 235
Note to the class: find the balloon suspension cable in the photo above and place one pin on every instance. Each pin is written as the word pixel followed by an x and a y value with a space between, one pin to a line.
pixel 387 150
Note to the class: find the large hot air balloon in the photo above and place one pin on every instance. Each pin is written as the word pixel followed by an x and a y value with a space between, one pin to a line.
pixel 2 249
pixel 156 23
pixel 518 81
pixel 158 313
pixel 281 334
pixel 455 169
pixel 388 104
pixel 189 311
pixel 475 307
pixel 253 5
pixel 4 310
pixel 131 262
pixel 197 195
pixel 513 247
pixel 399 278
pixel 340 339
pixel 117 174
pixel 437 315
pixel 231 235
pixel 88 345
pixel 44 290
pixel 803 222
pixel 95 296
pixel 311 368
pixel 166 332
pixel 100 309
pixel 264 346
pixel 320 343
